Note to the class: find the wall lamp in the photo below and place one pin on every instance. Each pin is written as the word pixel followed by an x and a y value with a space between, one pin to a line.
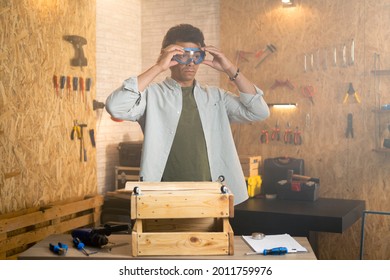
pixel 288 3
pixel 283 105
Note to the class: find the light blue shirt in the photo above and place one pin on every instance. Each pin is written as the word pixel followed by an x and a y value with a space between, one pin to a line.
pixel 158 109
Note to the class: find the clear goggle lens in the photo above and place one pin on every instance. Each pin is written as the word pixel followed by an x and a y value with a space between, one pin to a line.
pixel 195 55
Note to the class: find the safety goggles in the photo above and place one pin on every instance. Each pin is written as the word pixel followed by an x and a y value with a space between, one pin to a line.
pixel 195 55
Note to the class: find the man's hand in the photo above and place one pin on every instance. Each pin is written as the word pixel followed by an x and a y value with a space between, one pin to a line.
pixel 165 61
pixel 220 62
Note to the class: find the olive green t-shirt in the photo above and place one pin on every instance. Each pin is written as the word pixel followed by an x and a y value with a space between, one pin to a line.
pixel 188 160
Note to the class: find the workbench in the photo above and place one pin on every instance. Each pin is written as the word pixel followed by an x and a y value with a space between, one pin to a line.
pixel 40 251
pixel 297 218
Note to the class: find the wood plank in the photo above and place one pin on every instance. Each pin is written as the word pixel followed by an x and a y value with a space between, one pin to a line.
pixel 174 186
pixel 192 243
pixel 183 225
pixel 31 237
pixel 182 206
pixel 49 213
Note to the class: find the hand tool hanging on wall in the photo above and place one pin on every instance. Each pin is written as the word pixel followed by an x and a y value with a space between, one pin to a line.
pixel 297 136
pixel 264 53
pixel 285 83
pixel 82 91
pixel 62 85
pixel 242 55
pixel 78 42
pixel 276 132
pixel 308 92
pixel 68 87
pixel 92 137
pixel 88 83
pixel 349 131
pixel 83 150
pixel 75 84
pixel 264 136
pixel 351 92
pixel 55 84
pixel 288 135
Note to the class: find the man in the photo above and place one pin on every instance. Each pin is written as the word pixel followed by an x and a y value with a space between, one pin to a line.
pixel 187 133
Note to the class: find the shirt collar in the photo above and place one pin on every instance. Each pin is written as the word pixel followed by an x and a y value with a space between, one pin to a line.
pixel 171 83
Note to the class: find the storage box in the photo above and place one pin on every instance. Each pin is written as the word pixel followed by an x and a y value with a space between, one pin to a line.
pixel 250 165
pixel 276 169
pixel 130 153
pixel 181 218
pixel 297 190
pixel 124 174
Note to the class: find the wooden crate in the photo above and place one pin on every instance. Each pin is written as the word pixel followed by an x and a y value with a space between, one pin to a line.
pixel 250 165
pixel 22 229
pixel 124 174
pixel 181 218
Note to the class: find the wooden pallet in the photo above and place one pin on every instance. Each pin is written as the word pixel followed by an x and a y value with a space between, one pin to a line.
pixel 22 229
pixel 181 218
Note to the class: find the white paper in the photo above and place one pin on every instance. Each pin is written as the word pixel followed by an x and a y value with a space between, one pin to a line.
pixel 274 241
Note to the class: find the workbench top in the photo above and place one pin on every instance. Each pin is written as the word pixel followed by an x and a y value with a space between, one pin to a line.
pixel 40 251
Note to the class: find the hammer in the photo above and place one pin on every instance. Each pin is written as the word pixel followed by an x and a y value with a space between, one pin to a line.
pixel 82 145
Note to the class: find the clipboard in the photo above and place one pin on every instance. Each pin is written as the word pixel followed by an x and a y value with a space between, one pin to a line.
pixel 273 241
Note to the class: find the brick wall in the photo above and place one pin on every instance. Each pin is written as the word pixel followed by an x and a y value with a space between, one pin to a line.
pixel 129 36
pixel 118 47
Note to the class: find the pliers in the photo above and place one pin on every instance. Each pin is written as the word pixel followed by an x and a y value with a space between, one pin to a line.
pixel 297 137
pixel 264 136
pixel 75 130
pixel 351 91
pixel 276 132
pixel 288 136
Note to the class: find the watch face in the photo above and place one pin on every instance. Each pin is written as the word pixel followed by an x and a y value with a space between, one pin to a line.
pixel 195 55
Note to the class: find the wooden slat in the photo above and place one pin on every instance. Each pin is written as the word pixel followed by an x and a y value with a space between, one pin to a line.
pixel 17 233
pixel 174 186
pixel 190 243
pixel 183 225
pixel 52 212
pixel 182 206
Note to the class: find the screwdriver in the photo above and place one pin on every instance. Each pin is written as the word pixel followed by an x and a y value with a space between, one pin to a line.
pixel 68 86
pixel 80 246
pixel 75 85
pixel 62 85
pixel 55 83
pixel 82 89
pixel 88 83
pixel 273 251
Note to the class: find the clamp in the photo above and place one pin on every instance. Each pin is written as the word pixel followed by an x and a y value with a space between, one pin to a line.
pixel 59 249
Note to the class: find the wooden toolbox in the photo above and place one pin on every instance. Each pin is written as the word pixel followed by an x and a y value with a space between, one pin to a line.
pixel 250 165
pixel 181 218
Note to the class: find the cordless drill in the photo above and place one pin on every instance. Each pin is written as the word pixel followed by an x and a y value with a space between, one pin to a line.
pixel 97 237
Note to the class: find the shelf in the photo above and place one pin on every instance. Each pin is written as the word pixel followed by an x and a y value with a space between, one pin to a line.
pixel 380 111
pixel 380 72
pixel 382 150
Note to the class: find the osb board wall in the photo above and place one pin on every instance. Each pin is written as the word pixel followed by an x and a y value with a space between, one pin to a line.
pixel 39 162
pixel 348 167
